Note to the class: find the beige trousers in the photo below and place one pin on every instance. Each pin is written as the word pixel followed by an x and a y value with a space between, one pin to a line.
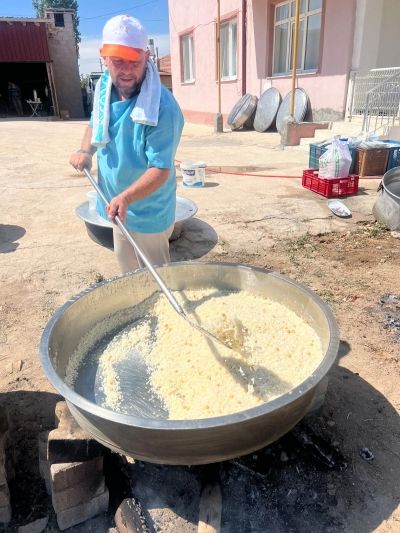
pixel 154 245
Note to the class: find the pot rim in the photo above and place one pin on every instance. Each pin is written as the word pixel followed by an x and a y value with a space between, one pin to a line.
pixel 388 175
pixel 195 424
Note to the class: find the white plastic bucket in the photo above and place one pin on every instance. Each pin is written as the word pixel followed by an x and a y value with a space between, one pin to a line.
pixel 193 173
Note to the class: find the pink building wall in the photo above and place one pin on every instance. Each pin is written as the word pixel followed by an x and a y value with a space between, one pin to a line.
pixel 327 88
pixel 200 99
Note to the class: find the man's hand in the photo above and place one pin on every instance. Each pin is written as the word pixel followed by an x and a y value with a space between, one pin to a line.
pixel 81 160
pixel 118 206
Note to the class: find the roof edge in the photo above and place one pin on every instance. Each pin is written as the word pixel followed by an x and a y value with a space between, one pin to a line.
pixel 23 19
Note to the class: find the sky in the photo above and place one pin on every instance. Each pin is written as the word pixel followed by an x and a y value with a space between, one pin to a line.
pixel 94 14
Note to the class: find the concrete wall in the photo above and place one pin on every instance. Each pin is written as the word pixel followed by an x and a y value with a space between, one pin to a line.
pixel 327 88
pixel 376 40
pixel 65 65
pixel 389 45
pixel 367 38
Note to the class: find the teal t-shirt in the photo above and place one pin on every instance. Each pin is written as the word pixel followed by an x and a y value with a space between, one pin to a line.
pixel 133 148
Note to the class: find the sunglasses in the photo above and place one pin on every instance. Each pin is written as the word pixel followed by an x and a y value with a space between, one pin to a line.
pixel 117 62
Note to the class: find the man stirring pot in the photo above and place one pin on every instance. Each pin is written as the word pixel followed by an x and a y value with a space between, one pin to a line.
pixel 135 128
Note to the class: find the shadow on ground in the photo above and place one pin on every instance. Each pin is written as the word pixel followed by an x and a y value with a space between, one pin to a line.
pixel 29 414
pixel 312 479
pixel 315 478
pixel 196 240
pixel 9 234
pixel 211 184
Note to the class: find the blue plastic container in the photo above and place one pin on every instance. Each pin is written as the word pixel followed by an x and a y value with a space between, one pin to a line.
pixel 394 155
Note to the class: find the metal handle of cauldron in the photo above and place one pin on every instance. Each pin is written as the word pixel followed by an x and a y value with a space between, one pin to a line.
pixel 137 248
pixel 152 270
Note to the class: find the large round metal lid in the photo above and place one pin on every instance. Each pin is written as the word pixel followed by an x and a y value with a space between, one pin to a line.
pixel 185 209
pixel 242 111
pixel 301 103
pixel 267 108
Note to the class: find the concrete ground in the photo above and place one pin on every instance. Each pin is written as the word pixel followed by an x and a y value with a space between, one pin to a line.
pixel 259 185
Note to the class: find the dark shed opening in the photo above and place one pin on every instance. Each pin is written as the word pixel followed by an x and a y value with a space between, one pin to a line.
pixel 33 82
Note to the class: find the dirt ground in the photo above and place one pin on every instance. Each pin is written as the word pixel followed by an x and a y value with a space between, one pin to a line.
pixel 294 485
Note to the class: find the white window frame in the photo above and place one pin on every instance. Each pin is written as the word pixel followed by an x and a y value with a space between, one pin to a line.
pixel 232 57
pixel 290 22
pixel 192 76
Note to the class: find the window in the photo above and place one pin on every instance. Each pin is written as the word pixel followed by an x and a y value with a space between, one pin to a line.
pixel 59 20
pixel 228 36
pixel 187 55
pixel 308 37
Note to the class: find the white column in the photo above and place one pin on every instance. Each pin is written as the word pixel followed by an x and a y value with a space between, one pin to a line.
pixel 367 34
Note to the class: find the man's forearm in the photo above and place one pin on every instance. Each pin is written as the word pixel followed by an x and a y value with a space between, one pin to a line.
pixel 82 158
pixel 86 144
pixel 149 182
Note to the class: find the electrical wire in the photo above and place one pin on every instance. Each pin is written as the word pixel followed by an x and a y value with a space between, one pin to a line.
pixel 213 21
pixel 120 11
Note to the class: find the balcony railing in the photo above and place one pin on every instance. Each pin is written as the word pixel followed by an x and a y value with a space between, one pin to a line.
pixel 375 95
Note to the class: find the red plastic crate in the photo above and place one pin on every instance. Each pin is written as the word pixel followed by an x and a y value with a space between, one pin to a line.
pixel 329 187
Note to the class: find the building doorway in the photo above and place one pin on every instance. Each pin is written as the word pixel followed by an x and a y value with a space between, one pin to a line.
pixel 33 83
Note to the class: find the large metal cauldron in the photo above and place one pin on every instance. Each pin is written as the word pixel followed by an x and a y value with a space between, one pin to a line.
pixel 165 441
pixel 387 204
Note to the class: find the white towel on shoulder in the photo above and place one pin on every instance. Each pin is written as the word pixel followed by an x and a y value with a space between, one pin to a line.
pixel 145 111
pixel 148 102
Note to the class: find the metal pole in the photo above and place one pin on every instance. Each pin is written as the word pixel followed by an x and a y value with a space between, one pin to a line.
pixel 53 92
pixel 160 282
pixel 366 111
pixel 294 56
pixel 219 54
pixel 244 46
pixel 218 126
pixel 353 81
pixel 137 248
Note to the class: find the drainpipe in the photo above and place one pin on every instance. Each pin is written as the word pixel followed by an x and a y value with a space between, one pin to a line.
pixel 218 120
pixel 294 56
pixel 244 46
pixel 289 120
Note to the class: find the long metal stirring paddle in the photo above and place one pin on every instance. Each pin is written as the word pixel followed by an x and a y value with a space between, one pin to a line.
pixel 171 299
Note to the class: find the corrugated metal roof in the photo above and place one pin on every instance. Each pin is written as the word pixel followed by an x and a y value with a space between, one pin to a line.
pixel 22 41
